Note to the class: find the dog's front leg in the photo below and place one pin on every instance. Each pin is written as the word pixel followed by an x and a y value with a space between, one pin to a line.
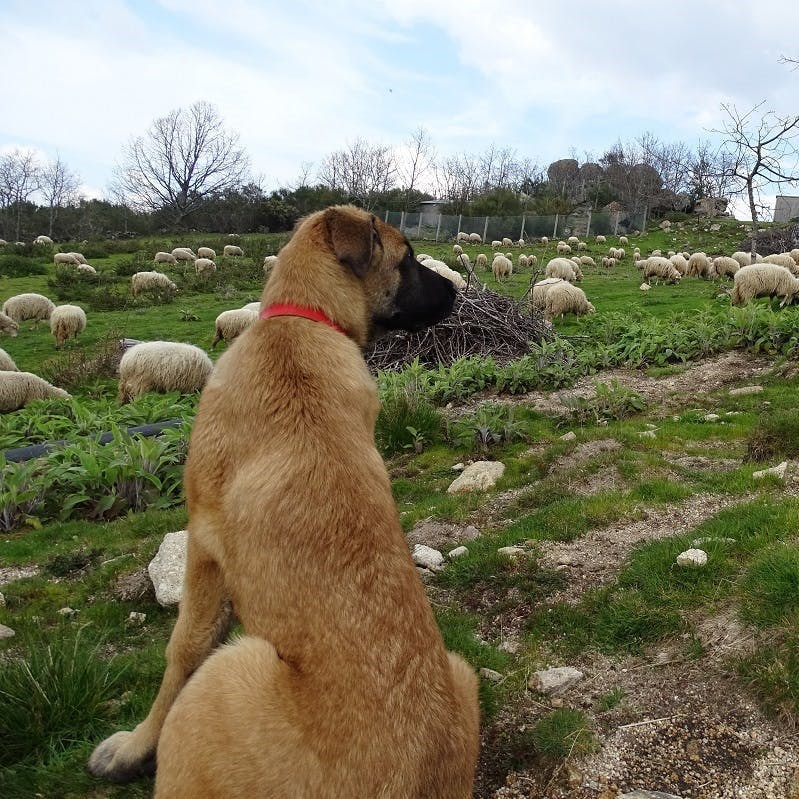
pixel 203 622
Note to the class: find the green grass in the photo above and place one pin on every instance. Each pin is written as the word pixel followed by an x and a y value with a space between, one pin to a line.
pixel 564 732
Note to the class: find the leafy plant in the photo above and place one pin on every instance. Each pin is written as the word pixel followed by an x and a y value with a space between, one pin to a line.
pixel 491 425
pixel 609 402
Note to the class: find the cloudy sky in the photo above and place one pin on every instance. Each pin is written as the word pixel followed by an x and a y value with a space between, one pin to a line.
pixel 300 79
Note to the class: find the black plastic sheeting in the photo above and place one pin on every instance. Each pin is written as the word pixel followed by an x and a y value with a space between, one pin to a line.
pixel 21 454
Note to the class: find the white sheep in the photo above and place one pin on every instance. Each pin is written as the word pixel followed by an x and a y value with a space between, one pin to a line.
pixel 794 254
pixel 581 245
pixel 230 324
pixel 464 260
pixel 65 258
pixel 763 280
pixel 572 240
pixel 457 249
pixel 66 321
pixel 86 269
pixel 151 281
pixel 540 290
pixel 7 362
pixel 743 258
pixel 783 259
pixel 699 265
pixel 79 256
pixel 8 325
pixel 206 252
pixel 680 264
pixel 3 242
pixel 232 249
pixel 623 240
pixel 658 253
pixel 462 236
pixel 162 366
pixel 475 238
pixel 253 306
pixel 564 298
pixel 495 245
pixel 545 241
pixel 165 258
pixel 608 263
pixel 17 389
pixel 421 257
pixel 271 260
pixel 42 240
pixel 723 266
pixel 481 262
pixel 184 254
pixel 22 307
pixel 564 269
pixel 502 268
pixel 522 261
pixel 532 260
pixel 661 267
pixel 456 278
pixel 587 260
pixel 620 253
pixel 600 239
pixel 563 248
pixel 204 267
pixel 506 242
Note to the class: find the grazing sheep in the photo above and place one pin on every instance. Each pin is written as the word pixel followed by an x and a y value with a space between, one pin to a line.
pixel 151 281
pixel 587 260
pixel 232 249
pixel 17 389
pixel 28 306
pixel 610 262
pixel 162 366
pixel 79 256
pixel 564 298
pixel 495 245
pixel 456 278
pixel 8 325
pixel 661 267
pixel 66 321
pixel 475 238
pixel 204 267
pixel 743 258
pixel 532 260
pixel 783 259
pixel 230 324
pixel 271 260
pixel 86 269
pixel 699 265
pixel 462 236
pixel 464 260
pixel 253 306
pixel 600 239
pixel 42 240
pixel 620 253
pixel 165 258
pixel 65 258
pixel 658 253
pixel 506 242
pixel 206 252
pixel 764 280
pixel 562 268
pixel 795 255
pixel 7 362
pixel 724 266
pixel 422 256
pixel 563 248
pixel 623 240
pixel 502 268
pixel 581 245
pixel 522 261
pixel 572 240
pixel 184 254
pixel 680 264
pixel 457 249
pixel 3 242
pixel 481 261
pixel 540 290
pixel 545 240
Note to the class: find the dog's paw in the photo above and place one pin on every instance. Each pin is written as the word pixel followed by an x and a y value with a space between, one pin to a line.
pixel 119 759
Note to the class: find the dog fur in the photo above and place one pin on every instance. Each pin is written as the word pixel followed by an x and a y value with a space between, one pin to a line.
pixel 341 686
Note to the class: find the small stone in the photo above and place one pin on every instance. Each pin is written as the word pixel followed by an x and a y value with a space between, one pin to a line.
pixel 774 471
pixel 711 417
pixel 511 552
pixel 491 675
pixel 478 476
pixel 570 436
pixel 645 287
pixel 168 568
pixel 470 533
pixel 692 557
pixel 738 392
pixel 647 434
pixel 555 681
pixel 427 558
pixel 136 619
pixel 6 632
pixel 651 426
pixel 67 612
pixel 458 552
pixel 458 467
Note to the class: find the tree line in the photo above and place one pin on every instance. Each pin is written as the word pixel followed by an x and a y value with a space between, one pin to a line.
pixel 189 171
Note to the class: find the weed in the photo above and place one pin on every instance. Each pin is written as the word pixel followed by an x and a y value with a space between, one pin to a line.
pixel 562 733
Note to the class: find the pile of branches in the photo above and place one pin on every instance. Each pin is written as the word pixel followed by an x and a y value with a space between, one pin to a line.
pixel 482 323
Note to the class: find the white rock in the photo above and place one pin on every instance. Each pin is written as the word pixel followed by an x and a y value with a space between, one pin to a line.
pixel 555 681
pixel 6 632
pixel 737 392
pixel 470 533
pixel 692 557
pixel 168 568
pixel 67 612
pixel 711 417
pixel 645 287
pixel 775 471
pixel 427 557
pixel 458 467
pixel 511 552
pixel 491 675
pixel 478 476
pixel 458 552
pixel 570 436
pixel 137 618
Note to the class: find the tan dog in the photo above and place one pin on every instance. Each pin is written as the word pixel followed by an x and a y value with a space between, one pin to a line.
pixel 342 687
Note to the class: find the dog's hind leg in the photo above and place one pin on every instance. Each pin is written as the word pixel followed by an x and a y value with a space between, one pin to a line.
pixel 203 623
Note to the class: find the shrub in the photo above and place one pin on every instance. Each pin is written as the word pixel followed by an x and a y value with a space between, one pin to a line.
pixel 610 402
pixel 19 266
pixel 407 419
pixel 81 367
pixel 99 292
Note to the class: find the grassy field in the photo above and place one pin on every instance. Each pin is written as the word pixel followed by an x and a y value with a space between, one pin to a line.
pixel 659 459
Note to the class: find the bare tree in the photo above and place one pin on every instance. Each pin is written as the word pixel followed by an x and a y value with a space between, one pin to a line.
pixel 457 178
pixel 183 158
pixel 710 171
pixel 415 161
pixel 59 185
pixel 362 170
pixel 19 179
pixel 762 152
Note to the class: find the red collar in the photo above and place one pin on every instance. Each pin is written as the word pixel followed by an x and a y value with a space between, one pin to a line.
pixel 289 309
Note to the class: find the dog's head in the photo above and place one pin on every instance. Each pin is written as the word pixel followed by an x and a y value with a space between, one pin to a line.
pixel 369 277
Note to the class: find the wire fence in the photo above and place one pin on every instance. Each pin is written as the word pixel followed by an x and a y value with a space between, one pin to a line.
pixel 445 227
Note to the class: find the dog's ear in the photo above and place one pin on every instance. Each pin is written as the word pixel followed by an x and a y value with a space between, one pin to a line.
pixel 352 238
